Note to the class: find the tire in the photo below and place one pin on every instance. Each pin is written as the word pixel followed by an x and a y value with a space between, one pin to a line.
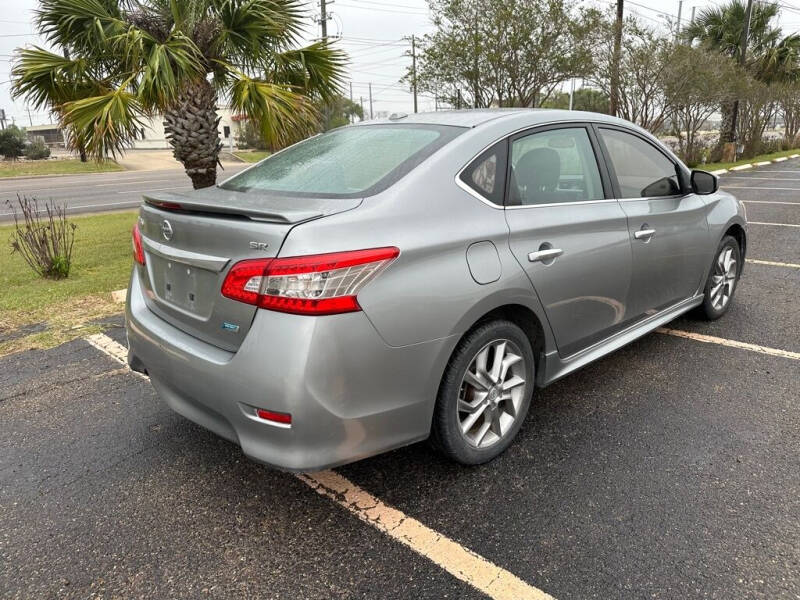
pixel 501 408
pixel 717 301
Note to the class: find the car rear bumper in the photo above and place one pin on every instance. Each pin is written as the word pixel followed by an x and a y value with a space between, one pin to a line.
pixel 350 395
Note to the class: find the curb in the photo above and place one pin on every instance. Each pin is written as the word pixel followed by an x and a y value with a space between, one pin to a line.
pixel 753 165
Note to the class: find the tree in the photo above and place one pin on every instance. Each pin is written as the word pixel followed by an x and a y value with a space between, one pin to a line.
pixel 644 60
pixel 123 60
pixel 582 99
pixel 12 142
pixel 503 52
pixel 340 111
pixel 789 99
pixel 697 82
pixel 770 57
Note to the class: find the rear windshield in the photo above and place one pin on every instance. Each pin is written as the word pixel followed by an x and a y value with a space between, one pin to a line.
pixel 345 163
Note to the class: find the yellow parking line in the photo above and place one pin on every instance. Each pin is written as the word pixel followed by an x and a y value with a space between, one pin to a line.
pixel 710 339
pixel 451 556
pixel 772 263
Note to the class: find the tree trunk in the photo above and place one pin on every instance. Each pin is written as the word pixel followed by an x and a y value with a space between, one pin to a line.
pixel 191 128
pixel 727 132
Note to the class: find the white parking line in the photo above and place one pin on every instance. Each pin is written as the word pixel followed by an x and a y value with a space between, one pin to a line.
pixel 747 187
pixel 462 563
pixel 108 346
pixel 451 556
pixel 773 224
pixel 710 339
pixel 770 202
pixel 751 177
pixel 772 263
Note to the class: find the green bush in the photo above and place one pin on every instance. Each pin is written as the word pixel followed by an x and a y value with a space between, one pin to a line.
pixel 12 142
pixel 37 150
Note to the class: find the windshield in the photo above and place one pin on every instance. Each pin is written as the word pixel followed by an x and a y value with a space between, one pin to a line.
pixel 345 163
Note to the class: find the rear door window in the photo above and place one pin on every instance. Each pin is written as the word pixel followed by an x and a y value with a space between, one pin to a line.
pixel 346 163
pixel 642 171
pixel 553 167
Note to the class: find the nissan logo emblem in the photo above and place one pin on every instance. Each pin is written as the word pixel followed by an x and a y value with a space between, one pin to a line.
pixel 166 230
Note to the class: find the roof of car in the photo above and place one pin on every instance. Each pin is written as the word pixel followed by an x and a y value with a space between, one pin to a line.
pixel 476 117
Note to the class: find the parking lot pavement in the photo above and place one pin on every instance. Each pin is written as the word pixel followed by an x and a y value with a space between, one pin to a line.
pixel 765 309
pixel 105 492
pixel 668 469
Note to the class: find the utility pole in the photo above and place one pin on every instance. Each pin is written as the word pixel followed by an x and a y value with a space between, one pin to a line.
pixel 571 91
pixel 2 119
pixel 370 101
pixel 30 118
pixel 323 20
pixel 362 107
pixel 748 15
pixel 694 8
pixel 678 26
pixel 614 100
pixel 351 99
pixel 414 68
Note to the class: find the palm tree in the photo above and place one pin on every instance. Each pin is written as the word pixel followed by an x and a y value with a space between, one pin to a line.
pixel 770 56
pixel 121 61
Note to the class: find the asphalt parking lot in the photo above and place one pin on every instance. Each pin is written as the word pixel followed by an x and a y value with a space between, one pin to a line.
pixel 668 469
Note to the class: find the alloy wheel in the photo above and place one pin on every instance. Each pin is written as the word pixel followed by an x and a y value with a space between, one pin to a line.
pixel 491 393
pixel 723 279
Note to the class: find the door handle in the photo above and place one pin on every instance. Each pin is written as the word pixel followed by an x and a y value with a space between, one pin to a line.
pixel 543 255
pixel 644 234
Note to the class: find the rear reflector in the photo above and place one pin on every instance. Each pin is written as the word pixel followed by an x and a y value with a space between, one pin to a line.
pixel 136 240
pixel 318 284
pixel 275 417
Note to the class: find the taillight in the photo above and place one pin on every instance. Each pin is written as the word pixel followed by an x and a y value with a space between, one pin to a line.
pixel 318 284
pixel 136 239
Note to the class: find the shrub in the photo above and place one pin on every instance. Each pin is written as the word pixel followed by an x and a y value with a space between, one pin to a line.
pixel 12 142
pixel 37 150
pixel 44 237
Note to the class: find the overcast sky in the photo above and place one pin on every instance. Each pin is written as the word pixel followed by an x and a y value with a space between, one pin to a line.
pixel 373 32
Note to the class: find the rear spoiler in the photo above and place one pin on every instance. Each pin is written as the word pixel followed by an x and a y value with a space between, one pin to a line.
pixel 249 205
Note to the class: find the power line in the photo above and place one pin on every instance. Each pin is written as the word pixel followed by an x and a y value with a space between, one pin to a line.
pixel 386 10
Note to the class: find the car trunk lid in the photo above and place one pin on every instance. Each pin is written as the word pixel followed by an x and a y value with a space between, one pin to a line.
pixel 190 242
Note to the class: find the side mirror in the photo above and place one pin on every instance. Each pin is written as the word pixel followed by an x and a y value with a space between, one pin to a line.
pixel 704 183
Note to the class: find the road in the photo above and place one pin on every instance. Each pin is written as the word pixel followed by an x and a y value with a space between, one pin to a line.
pixel 667 470
pixel 99 192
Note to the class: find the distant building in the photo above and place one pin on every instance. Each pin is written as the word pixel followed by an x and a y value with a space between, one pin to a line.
pixel 50 134
pixel 151 135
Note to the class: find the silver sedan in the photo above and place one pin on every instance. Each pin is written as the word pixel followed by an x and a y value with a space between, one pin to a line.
pixel 419 277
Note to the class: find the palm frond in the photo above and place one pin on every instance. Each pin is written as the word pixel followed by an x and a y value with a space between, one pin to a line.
pixel 164 66
pixel 318 69
pixel 280 113
pixel 250 30
pixel 46 79
pixel 108 122
pixel 82 26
